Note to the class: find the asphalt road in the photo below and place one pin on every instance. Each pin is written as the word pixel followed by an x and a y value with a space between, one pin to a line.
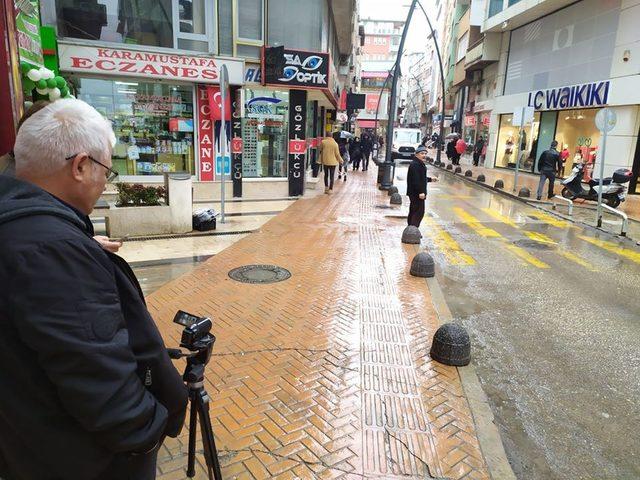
pixel 553 311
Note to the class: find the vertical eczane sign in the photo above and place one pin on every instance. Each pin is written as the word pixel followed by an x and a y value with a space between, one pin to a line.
pixel 236 142
pixel 297 140
pixel 206 151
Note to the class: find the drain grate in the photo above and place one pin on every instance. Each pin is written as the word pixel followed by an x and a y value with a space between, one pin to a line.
pixel 260 274
pixel 526 243
pixel 384 207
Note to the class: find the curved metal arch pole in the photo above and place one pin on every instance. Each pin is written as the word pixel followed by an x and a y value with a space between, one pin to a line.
pixel 435 44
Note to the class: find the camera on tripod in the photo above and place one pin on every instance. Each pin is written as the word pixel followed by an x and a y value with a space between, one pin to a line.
pixel 197 338
pixel 196 334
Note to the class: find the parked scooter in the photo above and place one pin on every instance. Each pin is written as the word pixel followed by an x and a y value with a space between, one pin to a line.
pixel 614 190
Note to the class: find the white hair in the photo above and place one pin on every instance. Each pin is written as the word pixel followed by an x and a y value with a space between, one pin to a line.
pixel 64 128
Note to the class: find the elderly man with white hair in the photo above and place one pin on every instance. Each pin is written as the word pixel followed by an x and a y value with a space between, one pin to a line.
pixel 89 391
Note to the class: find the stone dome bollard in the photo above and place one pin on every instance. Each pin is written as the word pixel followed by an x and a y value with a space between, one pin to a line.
pixel 449 167
pixel 396 199
pixel 437 163
pixel 393 189
pixel 423 266
pixel 498 184
pixel 451 345
pixel 481 179
pixel 468 173
pixel 524 192
pixel 458 170
pixel 411 235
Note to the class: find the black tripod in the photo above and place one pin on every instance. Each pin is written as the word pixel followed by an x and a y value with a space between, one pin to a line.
pixel 199 406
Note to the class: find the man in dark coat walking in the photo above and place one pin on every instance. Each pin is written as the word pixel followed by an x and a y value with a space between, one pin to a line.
pixel 548 164
pixel 417 186
pixel 366 147
pixel 89 391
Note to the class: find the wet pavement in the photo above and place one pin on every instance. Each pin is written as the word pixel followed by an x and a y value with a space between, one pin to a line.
pixel 554 315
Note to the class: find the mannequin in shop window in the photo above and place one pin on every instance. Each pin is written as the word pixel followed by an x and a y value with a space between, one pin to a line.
pixel 564 155
pixel 508 150
pixel 522 150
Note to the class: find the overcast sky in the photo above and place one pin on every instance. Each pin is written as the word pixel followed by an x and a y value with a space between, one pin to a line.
pixel 397 10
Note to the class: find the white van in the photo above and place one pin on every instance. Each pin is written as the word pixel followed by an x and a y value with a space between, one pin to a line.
pixel 405 142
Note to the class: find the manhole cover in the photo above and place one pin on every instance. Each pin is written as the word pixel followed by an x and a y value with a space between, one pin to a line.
pixel 259 274
pixel 533 244
pixel 384 207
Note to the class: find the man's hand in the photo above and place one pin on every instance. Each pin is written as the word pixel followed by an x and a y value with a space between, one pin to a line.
pixel 422 196
pixel 108 244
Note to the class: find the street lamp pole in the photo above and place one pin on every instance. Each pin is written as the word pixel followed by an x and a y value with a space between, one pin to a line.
pixel 435 44
pixel 388 162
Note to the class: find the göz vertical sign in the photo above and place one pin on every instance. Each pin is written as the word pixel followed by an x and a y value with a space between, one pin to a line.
pixel 297 141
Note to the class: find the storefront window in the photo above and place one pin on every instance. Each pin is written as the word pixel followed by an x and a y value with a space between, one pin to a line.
pixel 265 133
pixel 513 146
pixel 153 123
pixel 577 132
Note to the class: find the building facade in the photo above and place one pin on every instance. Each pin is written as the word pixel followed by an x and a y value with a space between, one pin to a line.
pixel 565 60
pixel 153 68
pixel 379 51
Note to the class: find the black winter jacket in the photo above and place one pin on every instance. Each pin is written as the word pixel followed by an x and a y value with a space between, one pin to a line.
pixel 84 373
pixel 417 178
pixel 549 161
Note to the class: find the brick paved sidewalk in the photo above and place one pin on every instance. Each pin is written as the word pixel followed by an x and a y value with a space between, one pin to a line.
pixel 327 374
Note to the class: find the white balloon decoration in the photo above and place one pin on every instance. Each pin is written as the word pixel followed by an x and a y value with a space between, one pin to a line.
pixel 34 75
pixel 54 94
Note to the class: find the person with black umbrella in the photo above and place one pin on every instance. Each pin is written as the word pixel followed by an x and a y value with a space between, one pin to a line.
pixel 417 180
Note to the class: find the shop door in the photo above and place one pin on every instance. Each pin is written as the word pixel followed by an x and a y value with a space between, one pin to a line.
pixel 633 185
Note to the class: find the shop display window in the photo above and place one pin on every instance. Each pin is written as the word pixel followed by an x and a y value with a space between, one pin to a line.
pixel 577 132
pixel 265 133
pixel 515 147
pixel 153 123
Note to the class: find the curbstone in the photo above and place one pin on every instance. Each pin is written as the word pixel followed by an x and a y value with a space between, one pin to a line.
pixel 396 199
pixel 423 266
pixel 481 179
pixel 524 193
pixel 411 235
pixel 451 345
pixel 468 173
pixel 498 184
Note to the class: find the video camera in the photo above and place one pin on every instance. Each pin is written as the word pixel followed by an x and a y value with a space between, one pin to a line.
pixel 196 335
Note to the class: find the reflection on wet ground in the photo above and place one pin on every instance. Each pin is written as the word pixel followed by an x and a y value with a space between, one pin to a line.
pixel 554 316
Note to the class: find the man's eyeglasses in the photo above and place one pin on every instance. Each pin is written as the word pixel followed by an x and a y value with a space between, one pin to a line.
pixel 110 174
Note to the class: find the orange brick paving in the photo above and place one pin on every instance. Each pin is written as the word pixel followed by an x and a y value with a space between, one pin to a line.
pixel 327 374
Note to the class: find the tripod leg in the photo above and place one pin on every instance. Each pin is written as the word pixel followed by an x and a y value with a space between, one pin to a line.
pixel 208 439
pixel 193 423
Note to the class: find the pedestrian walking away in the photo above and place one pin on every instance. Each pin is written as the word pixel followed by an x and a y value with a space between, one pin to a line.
pixel 343 145
pixel 548 164
pixel 356 153
pixel 367 148
pixel 478 149
pixel 329 158
pixel 417 180
pixel 78 347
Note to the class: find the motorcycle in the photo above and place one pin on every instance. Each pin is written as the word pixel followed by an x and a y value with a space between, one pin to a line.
pixel 614 190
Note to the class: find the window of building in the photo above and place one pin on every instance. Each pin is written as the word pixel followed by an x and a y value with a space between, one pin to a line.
pixel 183 24
pixel 153 123
pixel 495 7
pixel 225 26
pixel 463 44
pixel 305 33
pixel 265 133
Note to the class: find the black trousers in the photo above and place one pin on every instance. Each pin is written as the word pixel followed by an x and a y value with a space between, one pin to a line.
pixel 365 161
pixel 416 211
pixel 329 176
pixel 476 158
pixel 546 175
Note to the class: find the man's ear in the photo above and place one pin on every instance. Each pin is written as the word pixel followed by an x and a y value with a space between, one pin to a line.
pixel 80 166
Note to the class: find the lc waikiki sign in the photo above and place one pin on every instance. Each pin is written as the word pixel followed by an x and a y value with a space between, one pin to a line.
pixel 135 63
pixel 588 95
